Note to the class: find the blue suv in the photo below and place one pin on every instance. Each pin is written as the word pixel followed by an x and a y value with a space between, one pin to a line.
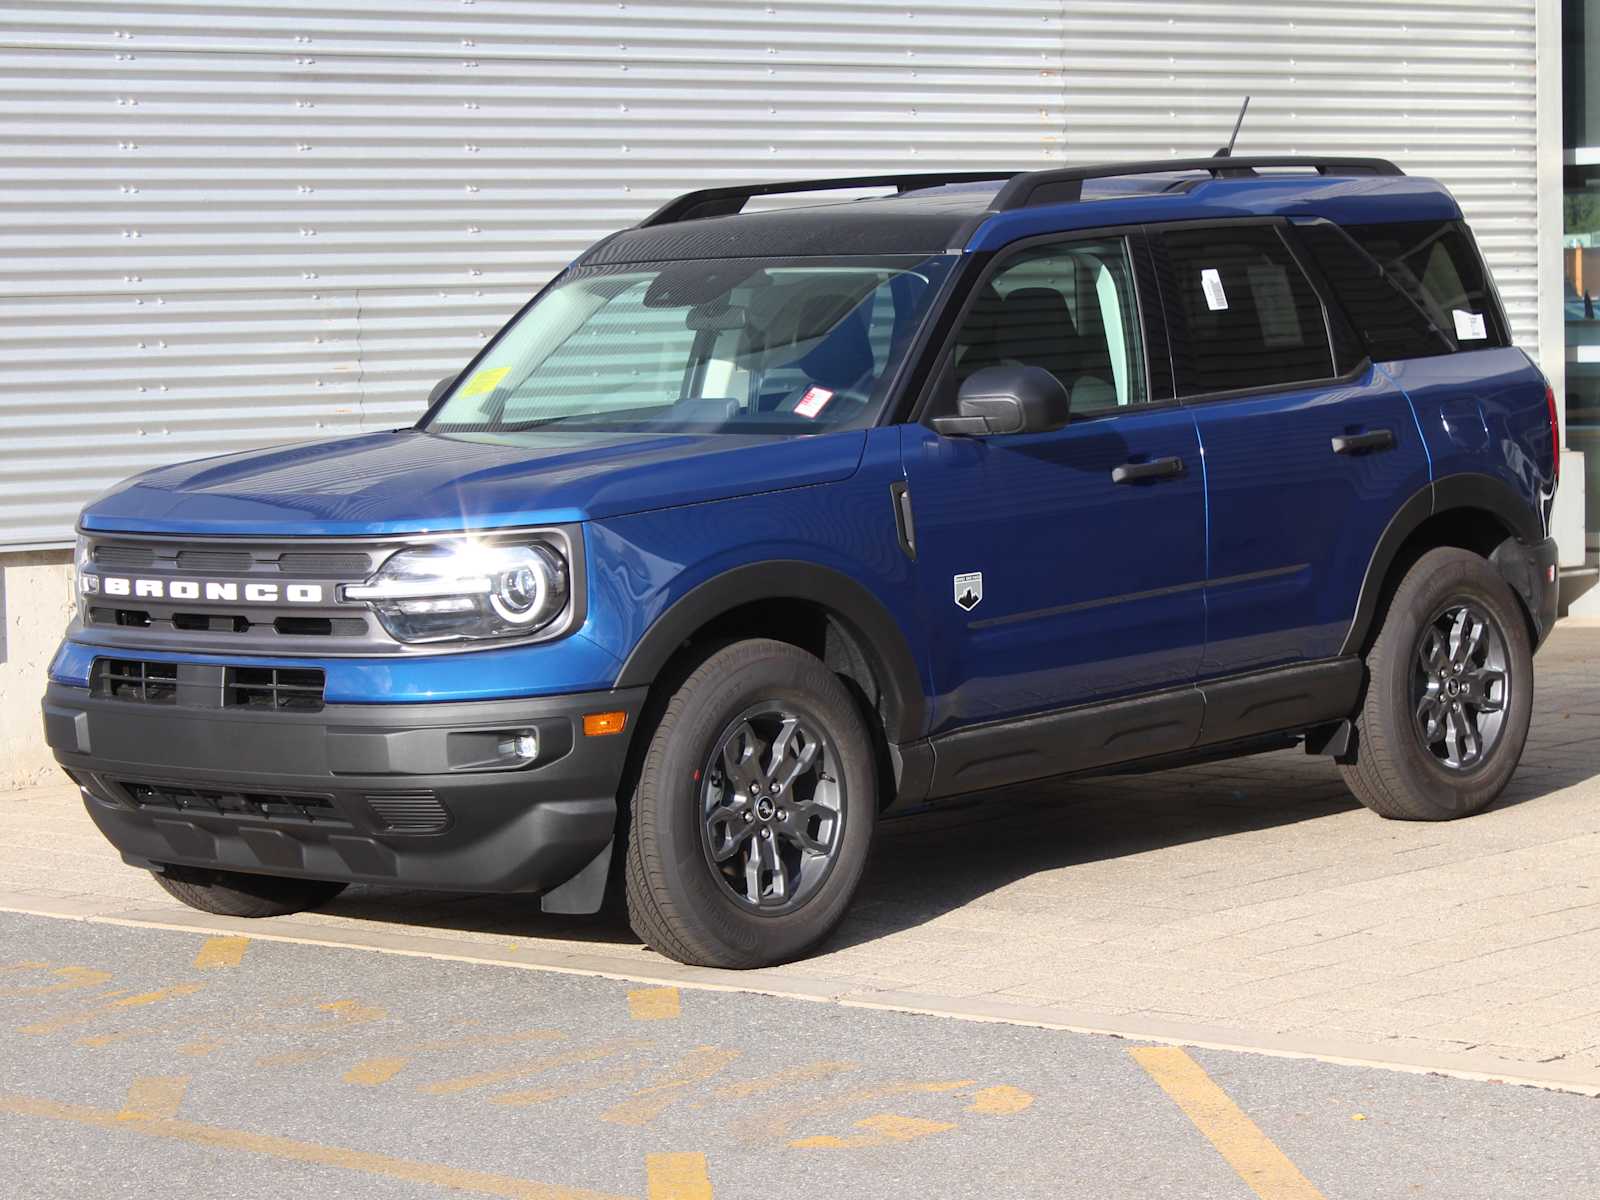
pixel 753 528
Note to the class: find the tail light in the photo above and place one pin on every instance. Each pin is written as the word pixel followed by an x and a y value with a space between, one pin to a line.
pixel 1555 429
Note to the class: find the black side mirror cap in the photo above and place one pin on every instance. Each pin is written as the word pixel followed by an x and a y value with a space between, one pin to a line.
pixel 1008 399
pixel 440 388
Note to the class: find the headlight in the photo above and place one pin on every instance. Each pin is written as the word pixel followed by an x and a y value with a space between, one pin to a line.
pixel 83 581
pixel 467 590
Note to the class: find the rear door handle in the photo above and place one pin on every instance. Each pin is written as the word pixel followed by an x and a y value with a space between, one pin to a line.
pixel 1359 443
pixel 1157 468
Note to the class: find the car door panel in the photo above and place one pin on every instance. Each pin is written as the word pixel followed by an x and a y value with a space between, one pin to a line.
pixel 1294 522
pixel 1091 589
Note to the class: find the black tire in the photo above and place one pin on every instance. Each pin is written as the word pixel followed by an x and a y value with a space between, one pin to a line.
pixel 1398 773
pixel 679 901
pixel 237 894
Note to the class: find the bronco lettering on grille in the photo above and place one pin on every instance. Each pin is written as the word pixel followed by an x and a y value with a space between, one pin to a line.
pixel 209 589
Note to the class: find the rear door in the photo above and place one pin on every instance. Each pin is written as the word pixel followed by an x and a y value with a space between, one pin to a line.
pixel 1050 574
pixel 1309 449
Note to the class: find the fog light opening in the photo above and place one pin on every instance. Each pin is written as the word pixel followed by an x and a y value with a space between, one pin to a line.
pixel 521 745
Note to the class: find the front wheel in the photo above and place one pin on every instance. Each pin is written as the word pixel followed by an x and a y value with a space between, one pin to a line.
pixel 754 810
pixel 1449 693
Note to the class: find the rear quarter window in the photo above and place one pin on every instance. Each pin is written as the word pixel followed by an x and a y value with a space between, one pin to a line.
pixel 1437 265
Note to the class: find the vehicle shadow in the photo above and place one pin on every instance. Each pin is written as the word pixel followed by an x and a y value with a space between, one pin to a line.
pixel 929 864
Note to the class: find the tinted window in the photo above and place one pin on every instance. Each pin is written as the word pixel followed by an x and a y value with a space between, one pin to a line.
pixel 1389 323
pixel 1070 309
pixel 1243 314
pixel 1438 265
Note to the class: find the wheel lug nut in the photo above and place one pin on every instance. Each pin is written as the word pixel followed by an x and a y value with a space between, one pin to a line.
pixel 783 814
pixel 748 817
pixel 766 833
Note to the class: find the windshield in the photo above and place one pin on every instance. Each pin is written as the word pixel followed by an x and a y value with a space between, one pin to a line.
pixel 781 346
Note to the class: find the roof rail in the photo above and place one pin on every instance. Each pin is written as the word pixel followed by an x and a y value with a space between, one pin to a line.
pixel 1065 185
pixel 1019 189
pixel 724 201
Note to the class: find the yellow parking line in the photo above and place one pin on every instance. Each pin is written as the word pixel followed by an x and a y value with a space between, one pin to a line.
pixel 677 1177
pixel 221 952
pixel 655 1004
pixel 479 1183
pixel 373 1071
pixel 882 1129
pixel 1265 1168
pixel 154 1098
pixel 57 1024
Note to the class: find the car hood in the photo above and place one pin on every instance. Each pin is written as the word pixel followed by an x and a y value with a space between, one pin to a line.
pixel 408 481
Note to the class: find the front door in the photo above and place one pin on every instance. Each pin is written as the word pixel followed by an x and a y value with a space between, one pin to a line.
pixel 1058 569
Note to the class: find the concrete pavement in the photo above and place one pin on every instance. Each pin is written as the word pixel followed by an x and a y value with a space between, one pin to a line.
pixel 1250 903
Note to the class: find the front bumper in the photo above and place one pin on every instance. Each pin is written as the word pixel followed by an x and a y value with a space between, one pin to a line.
pixel 412 795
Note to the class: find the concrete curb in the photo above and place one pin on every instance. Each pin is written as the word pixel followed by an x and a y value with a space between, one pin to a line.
pixel 651 969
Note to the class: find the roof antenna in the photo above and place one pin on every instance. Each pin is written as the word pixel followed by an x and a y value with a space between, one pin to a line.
pixel 1227 151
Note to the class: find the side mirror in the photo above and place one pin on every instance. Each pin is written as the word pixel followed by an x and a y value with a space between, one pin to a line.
pixel 1009 399
pixel 440 388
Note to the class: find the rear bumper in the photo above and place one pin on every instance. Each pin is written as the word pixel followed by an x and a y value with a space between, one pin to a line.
pixel 1532 571
pixel 412 795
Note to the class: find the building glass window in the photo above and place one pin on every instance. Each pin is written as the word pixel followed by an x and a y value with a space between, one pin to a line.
pixel 1581 243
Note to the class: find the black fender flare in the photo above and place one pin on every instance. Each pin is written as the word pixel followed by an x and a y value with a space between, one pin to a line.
pixel 1464 491
pixel 875 631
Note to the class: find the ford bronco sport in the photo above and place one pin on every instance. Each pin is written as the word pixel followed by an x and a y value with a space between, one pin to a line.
pixel 753 528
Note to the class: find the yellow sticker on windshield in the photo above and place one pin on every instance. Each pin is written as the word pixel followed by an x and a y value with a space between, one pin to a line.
pixel 485 381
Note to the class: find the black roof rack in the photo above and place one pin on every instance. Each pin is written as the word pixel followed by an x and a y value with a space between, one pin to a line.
pixel 724 201
pixel 1019 189
pixel 1064 185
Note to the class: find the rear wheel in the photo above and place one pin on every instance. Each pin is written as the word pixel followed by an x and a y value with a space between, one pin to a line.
pixel 754 810
pixel 237 894
pixel 1449 693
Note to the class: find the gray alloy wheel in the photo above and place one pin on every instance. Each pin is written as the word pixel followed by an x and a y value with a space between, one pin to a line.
pixel 752 818
pixel 1449 693
pixel 1461 685
pixel 773 804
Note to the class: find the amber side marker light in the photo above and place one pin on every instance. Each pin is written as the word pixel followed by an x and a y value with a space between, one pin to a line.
pixel 600 724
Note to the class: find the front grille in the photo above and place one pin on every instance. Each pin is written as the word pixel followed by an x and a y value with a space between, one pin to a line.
pixel 133 679
pixel 292 689
pixel 231 623
pixel 332 564
pixel 215 562
pixel 409 812
pixel 248 597
pixel 124 556
pixel 269 806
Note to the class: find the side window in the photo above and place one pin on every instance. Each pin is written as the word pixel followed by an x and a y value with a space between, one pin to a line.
pixel 1070 309
pixel 1389 323
pixel 1241 311
pixel 1439 266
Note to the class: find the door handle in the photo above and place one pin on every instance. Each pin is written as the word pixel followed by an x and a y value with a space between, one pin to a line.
pixel 1359 443
pixel 1158 468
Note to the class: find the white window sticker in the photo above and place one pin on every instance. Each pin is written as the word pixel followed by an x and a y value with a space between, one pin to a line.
pixel 1211 285
pixel 1469 326
pixel 813 402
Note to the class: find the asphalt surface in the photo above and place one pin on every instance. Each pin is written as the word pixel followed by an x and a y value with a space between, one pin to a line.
pixel 140 1062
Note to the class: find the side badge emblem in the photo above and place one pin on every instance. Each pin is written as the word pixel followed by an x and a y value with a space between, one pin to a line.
pixel 969 590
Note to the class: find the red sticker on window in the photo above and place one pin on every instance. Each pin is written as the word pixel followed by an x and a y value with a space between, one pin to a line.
pixel 814 401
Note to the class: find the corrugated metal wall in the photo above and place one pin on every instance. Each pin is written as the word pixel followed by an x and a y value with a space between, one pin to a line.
pixel 1445 88
pixel 228 224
